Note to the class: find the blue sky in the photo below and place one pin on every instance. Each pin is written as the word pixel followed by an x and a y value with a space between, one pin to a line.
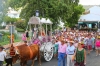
pixel 89 2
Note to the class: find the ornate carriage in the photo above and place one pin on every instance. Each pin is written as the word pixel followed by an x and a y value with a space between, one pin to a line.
pixel 46 46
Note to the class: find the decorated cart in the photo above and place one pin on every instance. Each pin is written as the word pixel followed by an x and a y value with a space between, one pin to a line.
pixel 40 36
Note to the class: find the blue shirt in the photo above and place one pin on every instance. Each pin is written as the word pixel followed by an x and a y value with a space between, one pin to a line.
pixel 89 42
pixel 70 49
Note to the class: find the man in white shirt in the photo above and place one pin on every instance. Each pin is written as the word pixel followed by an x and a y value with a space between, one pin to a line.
pixel 2 56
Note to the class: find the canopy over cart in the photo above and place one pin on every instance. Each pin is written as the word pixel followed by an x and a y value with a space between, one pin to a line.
pixel 47 47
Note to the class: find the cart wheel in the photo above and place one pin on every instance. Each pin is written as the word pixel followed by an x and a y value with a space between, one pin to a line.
pixel 48 55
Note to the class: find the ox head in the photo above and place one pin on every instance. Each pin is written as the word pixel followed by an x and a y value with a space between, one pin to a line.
pixel 16 56
pixel 14 53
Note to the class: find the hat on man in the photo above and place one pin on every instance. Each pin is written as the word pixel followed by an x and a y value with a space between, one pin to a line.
pixel 81 43
pixel 71 41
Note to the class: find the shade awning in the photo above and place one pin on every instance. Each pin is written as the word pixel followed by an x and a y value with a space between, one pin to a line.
pixel 37 20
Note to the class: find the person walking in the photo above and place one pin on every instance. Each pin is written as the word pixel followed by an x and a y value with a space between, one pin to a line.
pixel 80 55
pixel 70 52
pixel 8 58
pixel 61 52
pixel 2 55
pixel 89 44
pixel 97 46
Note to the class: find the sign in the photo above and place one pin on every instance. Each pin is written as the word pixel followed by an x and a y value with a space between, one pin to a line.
pixel 11 29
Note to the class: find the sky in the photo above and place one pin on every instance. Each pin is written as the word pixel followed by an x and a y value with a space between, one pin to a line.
pixel 89 2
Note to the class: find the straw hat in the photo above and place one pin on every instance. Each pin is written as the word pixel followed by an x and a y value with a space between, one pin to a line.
pixel 98 37
pixel 80 43
pixel 71 41
pixel 62 40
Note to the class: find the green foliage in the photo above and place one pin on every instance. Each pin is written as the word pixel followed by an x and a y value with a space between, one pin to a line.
pixel 5 40
pixel 20 30
pixel 3 9
pixel 5 33
pixel 8 20
pixel 2 27
pixel 78 10
pixel 55 10
pixel 21 24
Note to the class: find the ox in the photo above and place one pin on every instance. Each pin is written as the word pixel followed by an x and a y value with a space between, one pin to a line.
pixel 25 53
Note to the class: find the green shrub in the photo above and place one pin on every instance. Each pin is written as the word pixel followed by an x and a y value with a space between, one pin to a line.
pixel 5 33
pixel 2 27
pixel 5 40
pixel 20 30
pixel 21 25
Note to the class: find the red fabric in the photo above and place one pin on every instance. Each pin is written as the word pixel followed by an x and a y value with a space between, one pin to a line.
pixel 89 47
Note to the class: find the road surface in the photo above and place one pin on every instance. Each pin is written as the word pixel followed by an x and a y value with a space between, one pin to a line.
pixel 92 60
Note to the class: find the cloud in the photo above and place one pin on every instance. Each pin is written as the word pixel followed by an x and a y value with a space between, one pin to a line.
pixel 89 2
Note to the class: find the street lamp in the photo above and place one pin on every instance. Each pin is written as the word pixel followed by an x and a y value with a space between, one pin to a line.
pixel 73 1
pixel 37 13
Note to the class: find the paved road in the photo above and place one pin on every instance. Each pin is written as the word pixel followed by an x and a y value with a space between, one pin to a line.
pixel 92 60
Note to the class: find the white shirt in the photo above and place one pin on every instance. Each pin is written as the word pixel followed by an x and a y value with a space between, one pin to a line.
pixel 2 55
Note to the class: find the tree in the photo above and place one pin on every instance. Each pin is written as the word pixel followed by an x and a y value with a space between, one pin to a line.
pixel 8 20
pixel 3 9
pixel 55 10
pixel 78 10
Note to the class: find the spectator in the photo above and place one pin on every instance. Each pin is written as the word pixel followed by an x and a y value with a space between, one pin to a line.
pixel 70 52
pixel 80 55
pixel 98 46
pixel 89 44
pixel 61 53
pixel 2 55
pixel 8 58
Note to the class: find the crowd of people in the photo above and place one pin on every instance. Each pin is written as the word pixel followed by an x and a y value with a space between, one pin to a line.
pixel 70 45
pixel 73 45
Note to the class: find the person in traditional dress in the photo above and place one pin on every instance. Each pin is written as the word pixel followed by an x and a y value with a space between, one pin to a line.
pixel 24 37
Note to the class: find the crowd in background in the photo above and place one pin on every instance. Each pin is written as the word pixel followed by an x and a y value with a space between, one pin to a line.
pixel 73 45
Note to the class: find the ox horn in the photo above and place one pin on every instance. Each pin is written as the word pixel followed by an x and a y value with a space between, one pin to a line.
pixel 17 52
